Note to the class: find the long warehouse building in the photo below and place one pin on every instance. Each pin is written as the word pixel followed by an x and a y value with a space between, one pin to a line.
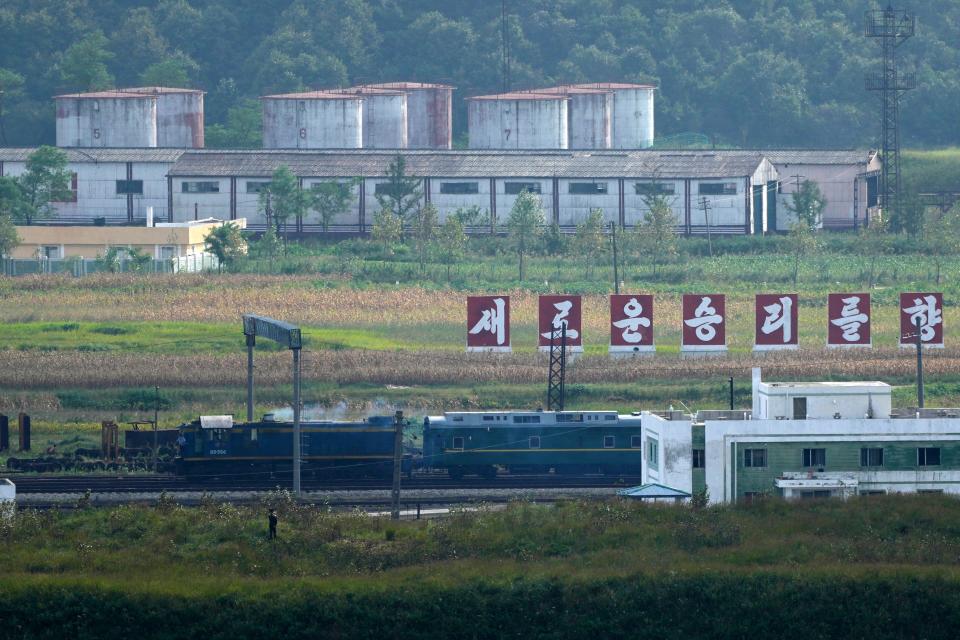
pixel 746 190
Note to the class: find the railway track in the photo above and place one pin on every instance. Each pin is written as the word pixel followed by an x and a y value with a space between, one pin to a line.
pixel 159 483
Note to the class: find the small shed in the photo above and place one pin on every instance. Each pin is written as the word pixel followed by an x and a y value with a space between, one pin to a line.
pixel 654 492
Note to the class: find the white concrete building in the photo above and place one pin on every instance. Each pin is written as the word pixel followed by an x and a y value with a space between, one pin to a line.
pixel 667 452
pixel 819 400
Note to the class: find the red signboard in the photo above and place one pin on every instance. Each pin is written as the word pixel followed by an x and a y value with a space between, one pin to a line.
pixel 488 323
pixel 704 322
pixel 848 320
pixel 556 311
pixel 928 309
pixel 776 321
pixel 631 323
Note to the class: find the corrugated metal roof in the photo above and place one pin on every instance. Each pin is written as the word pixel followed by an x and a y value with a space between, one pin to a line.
pixel 13 154
pixel 614 85
pixel 652 490
pixel 520 95
pixel 104 95
pixel 472 163
pixel 818 156
pixel 160 90
pixel 407 85
pixel 313 95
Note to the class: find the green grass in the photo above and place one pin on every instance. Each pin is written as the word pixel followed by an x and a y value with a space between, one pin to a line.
pixel 930 171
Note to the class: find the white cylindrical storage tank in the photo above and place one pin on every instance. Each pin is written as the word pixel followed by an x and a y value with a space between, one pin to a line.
pixel 179 116
pixel 518 121
pixel 312 120
pixel 384 117
pixel 106 119
pixel 589 112
pixel 632 113
pixel 429 113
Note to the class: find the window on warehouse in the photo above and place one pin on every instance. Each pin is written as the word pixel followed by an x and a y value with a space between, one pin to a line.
pixel 459 187
pixel 200 187
pixel 587 188
pixel 516 188
pixel 718 188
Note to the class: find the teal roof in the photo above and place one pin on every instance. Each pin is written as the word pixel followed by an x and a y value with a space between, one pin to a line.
pixel 652 490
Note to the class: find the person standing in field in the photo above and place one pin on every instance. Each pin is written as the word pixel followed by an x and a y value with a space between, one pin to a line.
pixel 272 520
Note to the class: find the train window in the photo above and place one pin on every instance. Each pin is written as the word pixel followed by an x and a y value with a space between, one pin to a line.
pixel 611 418
pixel 569 417
pixel 534 442
pixel 458 443
pixel 458 418
pixel 636 442
pixel 488 418
pixel 253 435
pixel 526 419
pixel 609 442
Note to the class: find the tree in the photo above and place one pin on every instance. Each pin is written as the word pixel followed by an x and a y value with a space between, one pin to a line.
pixel 423 226
pixel 525 225
pixel 282 199
pixel 451 242
pixel 330 199
pixel 84 67
pixel 138 259
pixel 908 216
pixel 12 200
pixel 387 229
pixel 942 240
pixel 872 243
pixel 174 71
pixel 803 240
pixel 109 260
pixel 11 87
pixel 808 203
pixel 45 181
pixel 655 237
pixel 590 240
pixel 401 193
pixel 8 235
pixel 225 242
pixel 243 129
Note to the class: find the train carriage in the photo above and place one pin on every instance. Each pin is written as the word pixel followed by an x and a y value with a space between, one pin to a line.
pixel 216 445
pixel 569 442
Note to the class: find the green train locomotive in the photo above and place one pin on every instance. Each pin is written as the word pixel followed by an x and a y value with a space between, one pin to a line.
pixel 215 445
pixel 569 442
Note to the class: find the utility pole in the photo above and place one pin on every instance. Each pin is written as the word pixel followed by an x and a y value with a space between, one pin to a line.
pixel 892 27
pixel 251 343
pixel 397 463
pixel 616 266
pixel 705 207
pixel 156 425
pixel 557 370
pixel 919 365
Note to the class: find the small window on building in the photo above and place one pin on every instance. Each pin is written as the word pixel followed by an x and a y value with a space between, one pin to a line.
pixel 200 187
pixel 699 458
pixel 799 408
pixel 816 493
pixel 168 252
pixel 459 187
pixel 609 442
pixel 755 458
pixel 655 188
pixel 928 456
pixel 50 252
pixel 718 188
pixel 871 457
pixel 653 452
pixel 872 492
pixel 814 457
pixel 636 442
pixel 257 186
pixel 526 419
pixel 129 187
pixel 587 188
pixel 516 188
pixel 72 196
pixel 534 442
pixel 458 443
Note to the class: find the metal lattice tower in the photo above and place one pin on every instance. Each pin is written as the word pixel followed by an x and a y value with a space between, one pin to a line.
pixel 892 27
pixel 558 366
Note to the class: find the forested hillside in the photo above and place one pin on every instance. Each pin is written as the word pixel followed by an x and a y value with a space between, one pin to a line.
pixel 745 72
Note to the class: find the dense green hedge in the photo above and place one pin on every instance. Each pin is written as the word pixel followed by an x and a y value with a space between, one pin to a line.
pixel 670 606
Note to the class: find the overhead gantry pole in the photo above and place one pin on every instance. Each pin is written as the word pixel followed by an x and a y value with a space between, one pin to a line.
pixel 289 336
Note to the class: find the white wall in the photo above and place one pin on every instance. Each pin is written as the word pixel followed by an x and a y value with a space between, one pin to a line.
pixel 208 205
pixel 674 438
pixel 8 491
pixel 97 189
